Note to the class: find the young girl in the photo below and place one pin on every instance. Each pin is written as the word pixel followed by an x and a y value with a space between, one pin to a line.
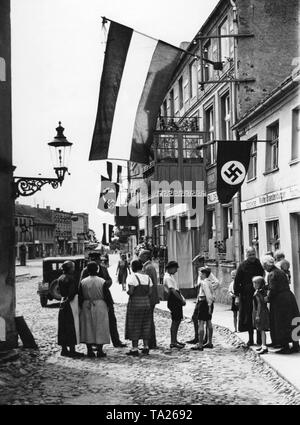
pixel 260 311
pixel 234 307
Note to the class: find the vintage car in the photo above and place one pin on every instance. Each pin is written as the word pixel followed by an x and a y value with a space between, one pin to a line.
pixel 52 268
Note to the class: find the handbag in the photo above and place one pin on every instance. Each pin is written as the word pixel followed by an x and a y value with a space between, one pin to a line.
pixel 183 301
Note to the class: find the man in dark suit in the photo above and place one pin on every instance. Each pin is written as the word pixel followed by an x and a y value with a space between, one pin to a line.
pixel 103 272
pixel 149 269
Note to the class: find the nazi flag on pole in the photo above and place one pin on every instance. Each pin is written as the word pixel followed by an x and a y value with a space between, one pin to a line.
pixel 232 166
pixel 108 195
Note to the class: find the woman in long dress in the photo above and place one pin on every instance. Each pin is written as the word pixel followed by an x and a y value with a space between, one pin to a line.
pixel 138 316
pixel 283 308
pixel 68 316
pixel 122 271
pixel 94 324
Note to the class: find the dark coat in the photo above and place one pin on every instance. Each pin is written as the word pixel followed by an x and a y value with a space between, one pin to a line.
pixel 283 307
pixel 66 328
pixel 150 270
pixel 243 288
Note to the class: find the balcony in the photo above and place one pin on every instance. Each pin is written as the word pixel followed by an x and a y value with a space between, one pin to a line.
pixel 177 124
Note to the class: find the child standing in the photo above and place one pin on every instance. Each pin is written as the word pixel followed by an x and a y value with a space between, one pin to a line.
pixel 261 319
pixel 205 309
pixel 234 307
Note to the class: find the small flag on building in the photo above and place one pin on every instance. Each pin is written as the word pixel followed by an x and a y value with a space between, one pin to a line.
pixel 232 166
pixel 114 171
pixel 108 229
pixel 108 195
pixel 136 73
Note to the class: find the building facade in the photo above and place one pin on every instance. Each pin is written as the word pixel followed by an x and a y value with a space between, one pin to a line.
pixel 271 194
pixel 80 226
pixel 8 334
pixel 220 78
pixel 34 228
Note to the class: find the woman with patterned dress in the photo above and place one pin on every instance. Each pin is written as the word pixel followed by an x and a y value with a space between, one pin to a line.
pixel 138 316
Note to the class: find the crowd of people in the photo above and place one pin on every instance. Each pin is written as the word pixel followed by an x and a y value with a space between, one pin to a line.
pixel 260 291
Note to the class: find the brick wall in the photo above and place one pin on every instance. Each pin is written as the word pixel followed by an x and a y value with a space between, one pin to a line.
pixel 268 56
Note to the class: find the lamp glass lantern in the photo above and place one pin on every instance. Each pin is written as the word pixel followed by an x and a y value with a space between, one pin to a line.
pixel 60 149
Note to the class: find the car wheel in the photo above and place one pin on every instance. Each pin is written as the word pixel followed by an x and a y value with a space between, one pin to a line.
pixel 43 300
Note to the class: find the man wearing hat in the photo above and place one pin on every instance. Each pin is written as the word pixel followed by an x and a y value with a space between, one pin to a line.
pixel 149 269
pixel 103 272
pixel 175 302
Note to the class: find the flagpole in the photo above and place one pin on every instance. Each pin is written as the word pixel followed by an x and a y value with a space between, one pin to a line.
pixel 199 57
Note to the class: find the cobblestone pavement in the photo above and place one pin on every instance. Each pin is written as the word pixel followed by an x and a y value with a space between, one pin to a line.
pixel 227 374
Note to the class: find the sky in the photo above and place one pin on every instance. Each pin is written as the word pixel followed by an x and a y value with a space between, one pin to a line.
pixel 57 54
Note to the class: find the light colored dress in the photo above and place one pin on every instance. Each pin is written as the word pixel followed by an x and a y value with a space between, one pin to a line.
pixel 94 324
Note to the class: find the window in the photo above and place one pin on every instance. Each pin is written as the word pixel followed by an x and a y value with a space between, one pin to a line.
pixel 191 149
pixel 273 239
pixel 272 147
pixel 167 149
pixel 224 44
pixel 209 127
pixel 208 69
pixel 211 224
pixel 172 103
pixel 295 133
pixel 180 92
pixel 253 160
pixel 225 116
pixel 227 222
pixel 193 74
pixel 165 110
pixel 253 237
pixel 2 70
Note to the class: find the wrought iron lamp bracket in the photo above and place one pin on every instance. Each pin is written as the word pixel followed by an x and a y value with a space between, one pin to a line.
pixel 27 186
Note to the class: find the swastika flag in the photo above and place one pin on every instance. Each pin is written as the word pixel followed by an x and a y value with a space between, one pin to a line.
pixel 232 166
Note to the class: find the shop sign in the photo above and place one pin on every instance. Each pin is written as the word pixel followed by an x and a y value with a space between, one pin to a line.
pixel 212 198
pixel 272 197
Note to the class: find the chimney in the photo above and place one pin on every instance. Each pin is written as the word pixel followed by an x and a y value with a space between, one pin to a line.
pixel 57 209
pixel 38 205
pixel 47 207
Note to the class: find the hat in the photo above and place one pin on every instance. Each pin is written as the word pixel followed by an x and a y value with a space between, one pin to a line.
pixel 205 268
pixel 172 264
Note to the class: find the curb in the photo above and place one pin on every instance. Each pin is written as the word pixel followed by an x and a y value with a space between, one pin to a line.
pixel 263 358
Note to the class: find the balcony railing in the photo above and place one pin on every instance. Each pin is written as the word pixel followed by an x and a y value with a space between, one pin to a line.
pixel 167 123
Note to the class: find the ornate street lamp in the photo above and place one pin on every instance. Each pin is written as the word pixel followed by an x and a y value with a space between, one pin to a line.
pixel 60 149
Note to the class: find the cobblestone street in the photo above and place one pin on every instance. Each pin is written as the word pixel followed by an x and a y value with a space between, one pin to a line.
pixel 227 374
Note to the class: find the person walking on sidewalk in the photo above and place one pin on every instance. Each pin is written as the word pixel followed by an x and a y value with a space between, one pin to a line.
pixel 138 315
pixel 149 269
pixel 175 302
pixel 103 273
pixel 94 324
pixel 261 321
pixel 215 284
pixel 234 307
pixel 244 291
pixel 122 271
pixel 205 301
pixel 68 315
